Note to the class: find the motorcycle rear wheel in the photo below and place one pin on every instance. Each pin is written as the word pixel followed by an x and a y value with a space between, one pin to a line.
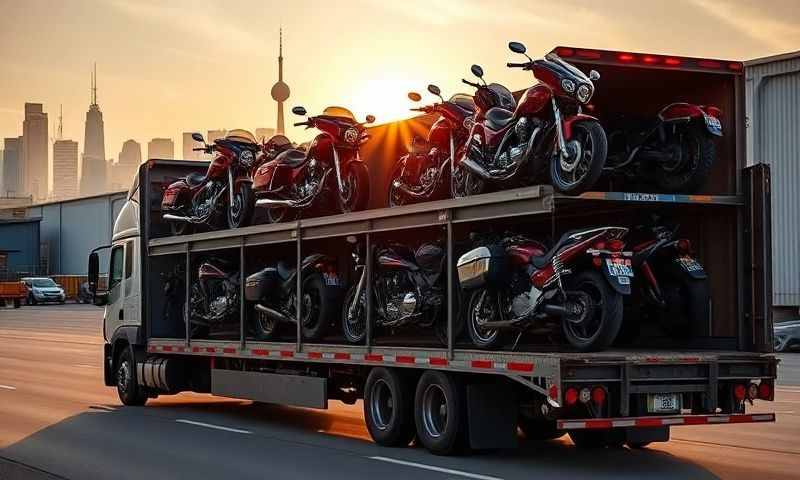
pixel 601 325
pixel 589 144
pixel 693 171
pixel 483 307
pixel 686 312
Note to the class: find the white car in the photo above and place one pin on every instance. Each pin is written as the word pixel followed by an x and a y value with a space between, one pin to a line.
pixel 43 289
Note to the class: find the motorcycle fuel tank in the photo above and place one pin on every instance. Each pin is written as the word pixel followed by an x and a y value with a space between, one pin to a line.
pixel 208 270
pixel 389 261
pixel 533 101
pixel 429 256
pixel 439 134
pixel 520 255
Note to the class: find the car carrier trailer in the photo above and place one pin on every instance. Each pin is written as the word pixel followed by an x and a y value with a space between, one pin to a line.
pixel 454 395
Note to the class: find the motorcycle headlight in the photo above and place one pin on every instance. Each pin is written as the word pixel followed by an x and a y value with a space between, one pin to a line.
pixel 351 135
pixel 468 123
pixel 246 158
pixel 584 93
pixel 568 85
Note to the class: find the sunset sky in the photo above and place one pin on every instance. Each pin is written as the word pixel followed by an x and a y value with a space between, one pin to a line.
pixel 169 67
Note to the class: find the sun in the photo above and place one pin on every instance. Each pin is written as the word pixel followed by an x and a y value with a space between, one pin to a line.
pixel 386 96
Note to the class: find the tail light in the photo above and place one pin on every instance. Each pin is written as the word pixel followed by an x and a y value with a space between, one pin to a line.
pixel 598 395
pixel 684 245
pixel 616 245
pixel 713 111
pixel 597 262
pixel 752 391
pixel 571 396
pixel 765 391
pixel 739 392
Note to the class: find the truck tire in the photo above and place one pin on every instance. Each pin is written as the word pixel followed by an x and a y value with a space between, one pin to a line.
pixel 17 303
pixel 389 407
pixel 128 389
pixel 440 413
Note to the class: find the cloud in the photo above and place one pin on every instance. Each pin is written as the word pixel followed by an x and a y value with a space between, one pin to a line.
pixel 759 24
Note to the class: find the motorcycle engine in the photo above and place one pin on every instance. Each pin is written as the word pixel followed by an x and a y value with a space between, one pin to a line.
pixel 524 296
pixel 311 180
pixel 401 300
pixel 205 204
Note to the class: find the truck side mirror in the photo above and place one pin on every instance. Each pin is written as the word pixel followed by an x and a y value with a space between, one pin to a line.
pixel 98 298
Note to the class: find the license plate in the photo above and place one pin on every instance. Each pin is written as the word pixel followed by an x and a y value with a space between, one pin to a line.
pixel 689 264
pixel 617 268
pixel 663 402
pixel 713 124
pixel 332 279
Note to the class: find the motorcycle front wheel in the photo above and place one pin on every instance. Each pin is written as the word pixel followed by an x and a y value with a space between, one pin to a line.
pixel 464 183
pixel 354 327
pixel 281 214
pixel 240 213
pixel 484 307
pixel 581 168
pixel 693 158
pixel 597 308
pixel 180 228
pixel 354 196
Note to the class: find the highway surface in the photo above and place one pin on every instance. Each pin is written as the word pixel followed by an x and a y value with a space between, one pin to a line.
pixel 57 420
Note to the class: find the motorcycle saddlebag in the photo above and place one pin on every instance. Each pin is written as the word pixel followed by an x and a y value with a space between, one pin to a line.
pixel 172 194
pixel 260 284
pixel 481 266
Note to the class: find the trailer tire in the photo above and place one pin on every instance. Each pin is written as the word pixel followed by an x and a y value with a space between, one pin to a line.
pixel 389 407
pixel 440 413
pixel 128 389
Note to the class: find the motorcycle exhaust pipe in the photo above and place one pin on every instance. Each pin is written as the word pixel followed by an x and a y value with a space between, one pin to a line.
pixel 273 314
pixel 555 310
pixel 178 218
pixel 478 170
pixel 300 203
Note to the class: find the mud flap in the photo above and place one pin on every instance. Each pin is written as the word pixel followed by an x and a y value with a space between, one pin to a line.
pixel 492 415
pixel 646 435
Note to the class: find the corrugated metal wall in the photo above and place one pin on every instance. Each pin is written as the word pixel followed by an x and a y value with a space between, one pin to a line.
pixel 70 230
pixel 773 136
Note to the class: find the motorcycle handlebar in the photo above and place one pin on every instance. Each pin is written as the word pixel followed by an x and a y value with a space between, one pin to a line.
pixel 516 65
pixel 201 149
pixel 300 124
pixel 471 84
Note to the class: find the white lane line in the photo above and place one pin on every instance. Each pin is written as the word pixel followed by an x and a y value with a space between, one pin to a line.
pixel 435 469
pixel 83 365
pixel 787 390
pixel 215 427
pixel 7 387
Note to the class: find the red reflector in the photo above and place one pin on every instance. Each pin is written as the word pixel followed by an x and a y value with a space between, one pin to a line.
pixel 625 57
pixel 764 391
pixel 616 245
pixel 672 61
pixel 588 54
pixel 739 392
pixel 736 66
pixel 565 52
pixel 684 245
pixel 571 396
pixel 709 64
pixel 598 395
pixel 597 261
pixel 650 60
pixel 600 245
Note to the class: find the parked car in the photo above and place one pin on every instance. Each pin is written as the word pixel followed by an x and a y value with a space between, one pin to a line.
pixel 787 336
pixel 44 289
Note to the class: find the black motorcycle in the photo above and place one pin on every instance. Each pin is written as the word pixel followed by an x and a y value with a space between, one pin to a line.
pixel 670 285
pixel 214 299
pixel 274 291
pixel 409 289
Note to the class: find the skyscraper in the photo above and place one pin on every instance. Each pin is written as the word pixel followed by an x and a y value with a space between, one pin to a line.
pixel 93 166
pixel 35 158
pixel 263 134
pixel 12 168
pixel 127 165
pixel 162 148
pixel 65 169
pixel 280 91
pixel 188 144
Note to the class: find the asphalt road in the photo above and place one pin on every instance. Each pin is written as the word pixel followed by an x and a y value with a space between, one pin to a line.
pixel 57 420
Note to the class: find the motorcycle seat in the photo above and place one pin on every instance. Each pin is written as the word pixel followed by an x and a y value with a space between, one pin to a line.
pixel 291 158
pixel 195 179
pixel 497 118
pixel 542 261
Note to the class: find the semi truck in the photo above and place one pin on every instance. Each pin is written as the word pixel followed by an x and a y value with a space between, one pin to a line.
pixel 454 396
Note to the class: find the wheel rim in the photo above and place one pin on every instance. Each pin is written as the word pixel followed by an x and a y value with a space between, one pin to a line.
pixel 396 199
pixel 465 184
pixel 687 150
pixel 277 214
pixel 381 404
pixel 265 323
pixel 235 209
pixel 308 313
pixel 586 312
pixel 485 310
pixel 355 325
pixel 573 169
pixel 349 191
pixel 434 411
pixel 123 377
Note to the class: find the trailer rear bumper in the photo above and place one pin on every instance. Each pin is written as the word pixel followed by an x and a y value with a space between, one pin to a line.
pixel 663 421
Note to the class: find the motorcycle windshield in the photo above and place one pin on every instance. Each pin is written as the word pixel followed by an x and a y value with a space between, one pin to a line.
pixel 552 57
pixel 464 101
pixel 339 112
pixel 506 97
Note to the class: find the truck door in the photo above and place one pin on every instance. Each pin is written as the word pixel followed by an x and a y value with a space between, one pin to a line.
pixel 130 310
pixel 116 287
pixel 757 331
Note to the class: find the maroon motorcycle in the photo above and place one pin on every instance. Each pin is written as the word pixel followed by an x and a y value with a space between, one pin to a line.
pixel 223 196
pixel 330 169
pixel 513 145
pixel 424 172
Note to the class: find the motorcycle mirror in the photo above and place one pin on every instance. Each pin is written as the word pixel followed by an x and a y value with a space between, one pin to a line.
pixel 477 71
pixel 516 47
pixel 594 75
pixel 370 119
pixel 351 239
pixel 198 137
pixel 435 90
pixel 298 110
pixel 414 96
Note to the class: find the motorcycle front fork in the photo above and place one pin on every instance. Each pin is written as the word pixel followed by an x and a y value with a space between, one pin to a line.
pixel 362 280
pixel 562 143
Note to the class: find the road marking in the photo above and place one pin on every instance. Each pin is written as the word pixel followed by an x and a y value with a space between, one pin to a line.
pixel 83 365
pixel 215 427
pixel 788 390
pixel 8 387
pixel 435 469
pixel 102 408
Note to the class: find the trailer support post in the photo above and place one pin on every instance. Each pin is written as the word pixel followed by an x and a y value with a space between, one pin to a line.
pixel 368 293
pixel 450 290
pixel 187 298
pixel 242 315
pixel 299 289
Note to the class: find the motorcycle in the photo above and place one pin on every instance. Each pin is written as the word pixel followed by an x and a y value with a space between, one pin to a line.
pixel 547 125
pixel 273 290
pixel 408 290
pixel 214 299
pixel 671 284
pixel 198 199
pixel 516 284
pixel 296 180
pixel 424 173
pixel 676 151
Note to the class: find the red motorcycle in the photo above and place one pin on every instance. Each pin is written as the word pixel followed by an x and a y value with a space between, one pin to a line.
pixel 424 173
pixel 225 189
pixel 516 284
pixel 514 145
pixel 297 180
